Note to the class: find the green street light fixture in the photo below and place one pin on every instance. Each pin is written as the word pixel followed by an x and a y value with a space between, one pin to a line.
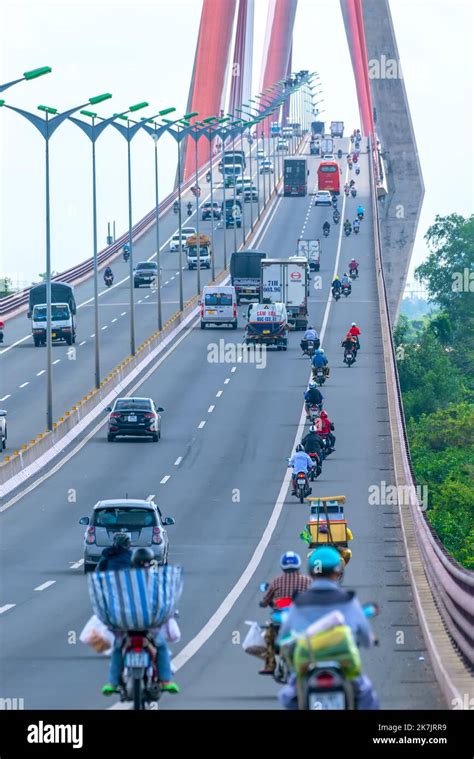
pixel 27 76
pixel 46 128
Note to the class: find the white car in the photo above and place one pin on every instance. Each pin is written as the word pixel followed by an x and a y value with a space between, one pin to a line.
pixel 283 146
pixel 323 198
pixel 328 157
pixel 261 155
pixel 185 233
pixel 266 167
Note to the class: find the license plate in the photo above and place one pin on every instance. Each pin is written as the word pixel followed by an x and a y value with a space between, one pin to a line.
pixel 211 312
pixel 53 334
pixel 266 331
pixel 327 701
pixel 132 418
pixel 248 291
pixel 135 659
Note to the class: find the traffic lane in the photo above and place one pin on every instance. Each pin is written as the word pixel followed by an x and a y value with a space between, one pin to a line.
pixel 31 384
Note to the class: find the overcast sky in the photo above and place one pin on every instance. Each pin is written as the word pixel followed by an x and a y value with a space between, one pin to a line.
pixel 144 50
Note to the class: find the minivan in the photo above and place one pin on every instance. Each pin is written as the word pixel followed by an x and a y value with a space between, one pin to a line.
pixel 219 305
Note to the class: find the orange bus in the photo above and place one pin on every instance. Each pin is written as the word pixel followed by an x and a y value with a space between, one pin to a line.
pixel 328 177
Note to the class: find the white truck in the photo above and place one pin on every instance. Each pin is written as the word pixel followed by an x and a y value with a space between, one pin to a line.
pixel 286 280
pixel 327 145
pixel 311 250
pixel 337 129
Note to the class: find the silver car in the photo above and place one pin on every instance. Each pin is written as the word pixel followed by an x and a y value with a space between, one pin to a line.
pixel 142 521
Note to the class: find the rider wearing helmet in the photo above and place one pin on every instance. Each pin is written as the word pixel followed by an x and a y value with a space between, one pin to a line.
pixel 117 556
pixel 312 397
pixel 313 444
pixel 143 558
pixel 347 224
pixel 336 283
pixel 285 585
pixel 320 360
pixel 345 281
pixel 355 331
pixel 108 273
pixel 310 334
pixel 326 226
pixel 360 210
pixel 353 266
pixel 324 428
pixel 356 224
pixel 301 462
pixel 325 595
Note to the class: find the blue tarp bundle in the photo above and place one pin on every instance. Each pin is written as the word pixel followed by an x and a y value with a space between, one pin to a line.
pixel 135 599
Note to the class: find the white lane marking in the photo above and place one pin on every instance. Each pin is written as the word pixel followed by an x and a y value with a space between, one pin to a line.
pixel 139 301
pixel 22 340
pixel 219 393
pixel 167 282
pixel 45 585
pixel 226 381
pixel 201 425
pixel 6 607
pixel 38 374
pixel 93 334
pixel 104 327
pixel 5 397
pixel 114 320
pixel 24 384
pixel 123 313
pixel 83 343
pixel 234 368
pixel 210 409
pixel 77 564
pixel 57 361
pixel 150 498
pixel 178 461
pixel 165 479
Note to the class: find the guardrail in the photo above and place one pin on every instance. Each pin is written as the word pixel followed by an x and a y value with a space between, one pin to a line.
pixel 443 589
pixel 76 273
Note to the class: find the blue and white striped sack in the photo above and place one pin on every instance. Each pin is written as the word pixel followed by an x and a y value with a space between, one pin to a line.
pixel 135 599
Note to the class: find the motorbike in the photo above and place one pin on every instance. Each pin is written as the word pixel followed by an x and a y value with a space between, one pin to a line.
pixel 353 274
pixel 346 191
pixel 313 411
pixel 208 176
pixel 1 334
pixel 336 293
pixel 175 207
pixel 319 375
pixel 336 217
pixel 311 346
pixel 357 145
pixel 326 231
pixel 139 682
pixel 279 608
pixel 357 171
pixel 339 153
pixel 353 192
pixel 334 201
pixel 190 209
pixel 350 165
pixel 324 685
pixel 108 280
pixel 316 469
pixel 360 215
pixel 349 357
pixel 3 429
pixel 302 487
pixel 347 231
pixel 126 253
pixel 328 449
pixel 356 230
pixel 346 290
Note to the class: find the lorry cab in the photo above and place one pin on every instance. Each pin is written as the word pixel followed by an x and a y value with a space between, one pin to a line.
pixel 232 212
pixel 219 305
pixel 204 251
pixel 63 325
pixel 267 324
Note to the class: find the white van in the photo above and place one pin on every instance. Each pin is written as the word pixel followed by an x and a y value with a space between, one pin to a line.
pixel 219 305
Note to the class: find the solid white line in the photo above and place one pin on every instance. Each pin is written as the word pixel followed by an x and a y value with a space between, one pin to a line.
pixel 226 381
pixel 210 409
pixel 38 374
pixel 5 397
pixel 201 425
pixel 57 361
pixel 83 343
pixel 24 384
pixel 77 564
pixel 218 394
pixel 45 585
pixel 6 607
pixel 178 461
pixel 150 498
pixel 165 479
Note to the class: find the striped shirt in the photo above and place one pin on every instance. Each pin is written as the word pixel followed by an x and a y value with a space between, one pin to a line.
pixel 284 586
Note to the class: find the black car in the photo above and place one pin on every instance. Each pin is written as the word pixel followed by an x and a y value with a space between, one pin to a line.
pixel 135 417
pixel 209 209
pixel 145 273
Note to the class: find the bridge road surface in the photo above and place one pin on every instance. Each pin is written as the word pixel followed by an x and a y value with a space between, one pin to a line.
pixel 242 446
pixel 22 366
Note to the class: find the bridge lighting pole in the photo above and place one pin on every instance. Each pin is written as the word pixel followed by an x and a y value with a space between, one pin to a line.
pixel 129 132
pixel 27 76
pixel 212 130
pixel 46 127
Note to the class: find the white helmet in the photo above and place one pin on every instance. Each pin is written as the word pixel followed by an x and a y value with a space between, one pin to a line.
pixel 353 324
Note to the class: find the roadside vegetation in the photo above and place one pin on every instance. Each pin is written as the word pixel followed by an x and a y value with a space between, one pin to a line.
pixel 435 358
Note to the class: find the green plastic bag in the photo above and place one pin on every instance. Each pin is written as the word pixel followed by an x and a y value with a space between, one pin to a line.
pixel 336 644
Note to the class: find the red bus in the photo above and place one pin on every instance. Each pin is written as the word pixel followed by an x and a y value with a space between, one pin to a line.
pixel 328 177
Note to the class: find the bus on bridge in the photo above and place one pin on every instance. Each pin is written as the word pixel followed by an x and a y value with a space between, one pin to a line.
pixel 328 177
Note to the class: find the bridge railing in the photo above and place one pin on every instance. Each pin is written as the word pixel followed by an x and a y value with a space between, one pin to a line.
pixel 450 584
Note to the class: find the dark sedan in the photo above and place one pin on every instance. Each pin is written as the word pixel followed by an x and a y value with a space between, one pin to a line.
pixel 137 417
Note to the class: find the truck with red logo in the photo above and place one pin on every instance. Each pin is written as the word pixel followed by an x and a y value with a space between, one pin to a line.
pixel 286 280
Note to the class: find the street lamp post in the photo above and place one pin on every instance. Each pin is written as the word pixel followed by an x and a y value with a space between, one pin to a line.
pixel 46 128
pixel 27 76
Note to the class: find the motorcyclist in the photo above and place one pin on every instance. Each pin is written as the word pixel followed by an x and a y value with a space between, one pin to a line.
pixel 175 206
pixel 2 327
pixel 346 189
pixel 347 226
pixel 143 558
pixel 312 443
pixel 118 555
pixel 350 345
pixel 353 266
pixel 319 359
pixel 301 462
pixel 189 207
pixel 336 284
pixel 355 331
pixel 208 176
pixel 285 585
pixel 356 225
pixel 345 281
pixel 324 596
pixel 108 274
pixel 126 252
pixel 360 211
pixel 326 227
pixel 324 429
pixel 352 183
pixel 312 397
pixel 336 216
pixel 310 334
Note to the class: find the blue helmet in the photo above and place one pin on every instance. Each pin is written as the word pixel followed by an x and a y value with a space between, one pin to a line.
pixel 290 560
pixel 324 560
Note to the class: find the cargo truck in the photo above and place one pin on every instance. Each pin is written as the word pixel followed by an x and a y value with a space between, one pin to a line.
pixel 63 313
pixel 337 129
pixel 311 250
pixel 286 280
pixel 295 173
pixel 245 274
